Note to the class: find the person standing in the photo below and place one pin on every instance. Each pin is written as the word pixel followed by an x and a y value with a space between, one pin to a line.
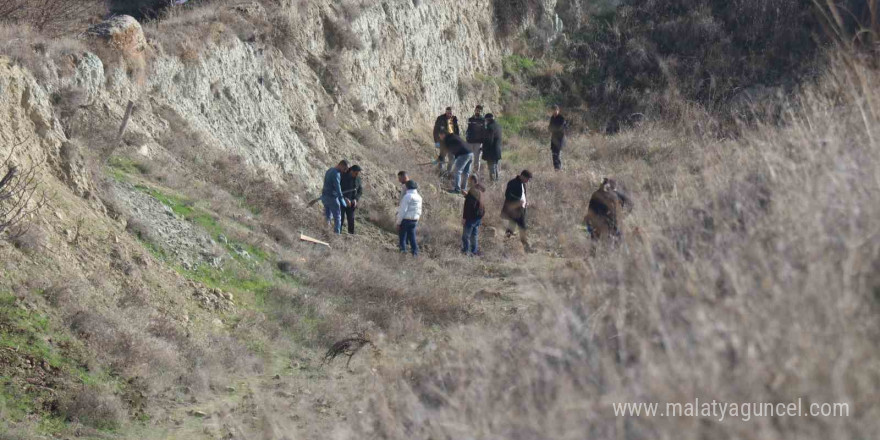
pixel 515 207
pixel 408 214
pixel 332 197
pixel 463 161
pixel 476 135
pixel 492 147
pixel 557 127
pixel 447 123
pixel 352 189
pixel 472 218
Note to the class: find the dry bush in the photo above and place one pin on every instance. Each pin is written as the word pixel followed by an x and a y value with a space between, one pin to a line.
pixel 53 17
pixel 737 283
pixel 94 406
pixel 340 36
pixel 511 15
pixel 705 50
pixel 397 301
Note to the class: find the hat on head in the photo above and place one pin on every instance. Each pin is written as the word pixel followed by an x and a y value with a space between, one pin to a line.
pixel 411 184
pixel 490 116
pixel 355 168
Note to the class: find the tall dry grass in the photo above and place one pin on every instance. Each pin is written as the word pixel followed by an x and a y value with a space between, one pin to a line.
pixel 754 277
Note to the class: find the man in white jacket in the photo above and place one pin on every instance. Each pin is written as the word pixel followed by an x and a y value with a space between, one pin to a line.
pixel 408 214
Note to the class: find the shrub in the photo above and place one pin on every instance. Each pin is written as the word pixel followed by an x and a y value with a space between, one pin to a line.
pixel 95 406
pixel 52 16
pixel 702 50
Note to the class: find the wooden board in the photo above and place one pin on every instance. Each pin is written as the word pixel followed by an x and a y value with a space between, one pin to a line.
pixel 306 238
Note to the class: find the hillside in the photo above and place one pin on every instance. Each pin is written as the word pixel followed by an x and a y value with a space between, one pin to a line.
pixel 156 286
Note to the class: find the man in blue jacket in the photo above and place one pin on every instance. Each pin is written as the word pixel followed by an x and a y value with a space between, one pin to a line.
pixel 332 196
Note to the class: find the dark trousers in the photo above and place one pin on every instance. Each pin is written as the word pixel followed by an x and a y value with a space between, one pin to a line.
pixel 556 145
pixel 407 234
pixel 348 214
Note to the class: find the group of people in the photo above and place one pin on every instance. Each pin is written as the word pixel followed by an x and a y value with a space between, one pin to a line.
pixel 483 141
pixel 513 209
pixel 341 194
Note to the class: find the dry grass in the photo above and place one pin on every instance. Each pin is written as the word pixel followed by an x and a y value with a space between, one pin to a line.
pixel 753 278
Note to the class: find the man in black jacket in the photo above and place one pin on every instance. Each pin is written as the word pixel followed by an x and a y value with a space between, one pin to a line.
pixel 476 135
pixel 557 127
pixel 352 189
pixel 515 205
pixel 456 147
pixel 447 123
pixel 492 146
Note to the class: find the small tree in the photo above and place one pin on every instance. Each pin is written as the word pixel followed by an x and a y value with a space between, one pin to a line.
pixel 18 194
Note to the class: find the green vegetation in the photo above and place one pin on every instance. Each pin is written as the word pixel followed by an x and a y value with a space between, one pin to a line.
pixel 524 113
pixel 120 168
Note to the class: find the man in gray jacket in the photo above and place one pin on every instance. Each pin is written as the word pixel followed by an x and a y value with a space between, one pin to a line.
pixel 332 196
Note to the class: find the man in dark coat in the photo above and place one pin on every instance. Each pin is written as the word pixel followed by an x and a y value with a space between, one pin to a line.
pixel 476 135
pixel 472 217
pixel 492 146
pixel 447 123
pixel 331 196
pixel 605 211
pixel 352 189
pixel 557 127
pixel 515 205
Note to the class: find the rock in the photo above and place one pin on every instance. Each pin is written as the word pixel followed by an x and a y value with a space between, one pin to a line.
pixel 199 414
pixel 229 389
pixel 490 232
pixel 123 37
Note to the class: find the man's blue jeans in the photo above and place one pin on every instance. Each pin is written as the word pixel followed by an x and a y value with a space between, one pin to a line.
pixel 332 209
pixel 469 237
pixel 407 234
pixel 462 167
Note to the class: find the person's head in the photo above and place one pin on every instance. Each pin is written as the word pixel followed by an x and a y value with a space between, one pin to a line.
pixel 402 177
pixel 342 166
pixel 478 110
pixel 411 184
pixel 355 170
pixel 449 111
pixel 490 117
pixel 525 176
pixel 608 185
pixel 555 109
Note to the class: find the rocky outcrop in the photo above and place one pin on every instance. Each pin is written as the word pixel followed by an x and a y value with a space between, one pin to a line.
pixel 288 104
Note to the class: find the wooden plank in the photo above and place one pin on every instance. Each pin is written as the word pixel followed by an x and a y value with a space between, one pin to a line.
pixel 125 118
pixel 306 238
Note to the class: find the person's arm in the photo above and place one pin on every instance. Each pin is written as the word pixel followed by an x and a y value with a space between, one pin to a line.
pixel 455 126
pixel 402 208
pixel 437 132
pixel 338 183
pixel 360 189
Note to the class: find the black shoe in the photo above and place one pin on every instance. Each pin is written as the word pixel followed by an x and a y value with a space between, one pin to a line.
pixel 454 191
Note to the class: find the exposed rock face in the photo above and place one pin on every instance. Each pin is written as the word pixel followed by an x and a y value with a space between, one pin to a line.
pixel 249 99
pixel 391 65
pixel 27 122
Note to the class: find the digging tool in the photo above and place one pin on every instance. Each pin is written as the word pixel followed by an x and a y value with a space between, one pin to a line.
pixel 311 203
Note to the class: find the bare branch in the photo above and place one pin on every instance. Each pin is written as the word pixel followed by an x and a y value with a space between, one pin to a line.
pixel 18 193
